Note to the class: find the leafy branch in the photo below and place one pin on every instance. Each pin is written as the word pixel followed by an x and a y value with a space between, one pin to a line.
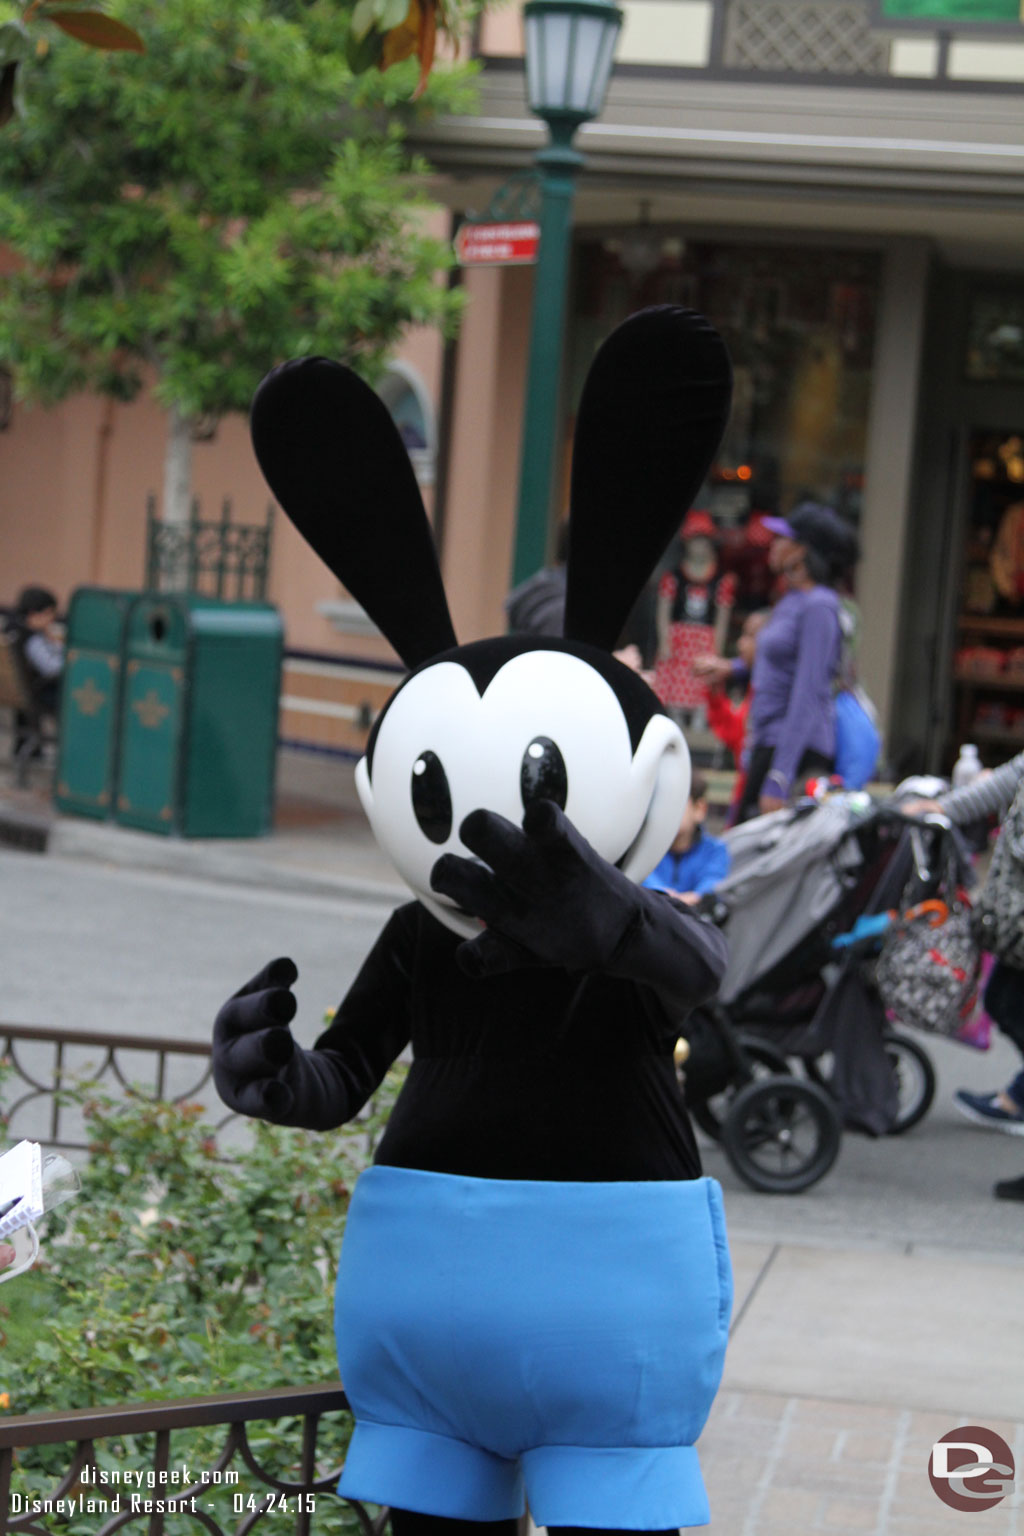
pixel 18 43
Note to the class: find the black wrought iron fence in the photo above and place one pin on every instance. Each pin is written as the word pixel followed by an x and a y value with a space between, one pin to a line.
pixel 214 558
pixel 167 1489
pixel 43 1064
pixel 171 1467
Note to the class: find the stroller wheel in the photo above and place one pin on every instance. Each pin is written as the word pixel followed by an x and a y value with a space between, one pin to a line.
pixel 764 1060
pixel 782 1134
pixel 915 1079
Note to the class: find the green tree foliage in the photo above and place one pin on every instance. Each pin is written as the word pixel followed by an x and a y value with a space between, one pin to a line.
pixel 230 197
pixel 18 41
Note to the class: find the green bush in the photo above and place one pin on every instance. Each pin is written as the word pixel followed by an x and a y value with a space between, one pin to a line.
pixel 185 1268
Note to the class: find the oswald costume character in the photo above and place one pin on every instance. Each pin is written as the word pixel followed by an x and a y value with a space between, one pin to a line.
pixel 534 1289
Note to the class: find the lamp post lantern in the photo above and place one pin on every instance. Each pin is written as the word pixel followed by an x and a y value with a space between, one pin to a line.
pixel 570 46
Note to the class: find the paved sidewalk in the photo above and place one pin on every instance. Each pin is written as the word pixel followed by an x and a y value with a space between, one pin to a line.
pixel 778 1465
pixel 848 1360
pixel 320 843
pixel 844 1367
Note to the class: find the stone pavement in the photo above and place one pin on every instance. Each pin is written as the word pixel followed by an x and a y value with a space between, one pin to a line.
pixel 783 1466
pixel 848 1358
pixel 844 1367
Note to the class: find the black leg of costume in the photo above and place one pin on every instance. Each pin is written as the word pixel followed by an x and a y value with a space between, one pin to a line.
pixel 405 1523
pixel 579 1530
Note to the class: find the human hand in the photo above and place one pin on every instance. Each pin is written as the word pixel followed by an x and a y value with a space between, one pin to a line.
pixel 632 657
pixel 252 1044
pixel 768 803
pixel 7 1255
pixel 713 669
pixel 546 896
pixel 919 807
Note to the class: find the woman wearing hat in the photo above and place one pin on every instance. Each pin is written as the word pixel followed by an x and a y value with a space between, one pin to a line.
pixel 799 650
pixel 692 615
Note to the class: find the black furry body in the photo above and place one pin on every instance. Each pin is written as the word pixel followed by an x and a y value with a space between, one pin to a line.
pixel 538 1074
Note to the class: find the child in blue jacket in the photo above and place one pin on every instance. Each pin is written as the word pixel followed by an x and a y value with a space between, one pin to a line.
pixel 696 861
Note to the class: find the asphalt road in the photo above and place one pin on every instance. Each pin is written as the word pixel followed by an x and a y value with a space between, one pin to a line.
pixel 94 948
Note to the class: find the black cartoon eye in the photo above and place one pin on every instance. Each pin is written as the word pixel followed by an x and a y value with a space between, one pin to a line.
pixel 431 797
pixel 543 775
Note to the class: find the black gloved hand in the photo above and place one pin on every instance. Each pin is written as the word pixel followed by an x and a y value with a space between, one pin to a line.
pixel 252 1045
pixel 547 897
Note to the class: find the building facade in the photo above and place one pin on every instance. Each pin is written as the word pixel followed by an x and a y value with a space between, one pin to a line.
pixel 845 200
pixel 841 191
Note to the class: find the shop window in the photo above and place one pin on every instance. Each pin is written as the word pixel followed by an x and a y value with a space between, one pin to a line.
pixel 995 337
pixel 799 323
pixel 989 662
pixel 406 397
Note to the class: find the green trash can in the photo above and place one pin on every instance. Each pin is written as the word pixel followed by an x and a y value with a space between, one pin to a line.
pixel 199 710
pixel 90 706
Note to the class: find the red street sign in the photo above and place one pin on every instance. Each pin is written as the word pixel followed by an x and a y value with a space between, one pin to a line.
pixel 497 245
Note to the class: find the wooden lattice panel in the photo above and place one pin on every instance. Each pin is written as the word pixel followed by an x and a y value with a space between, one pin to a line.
pixel 809 37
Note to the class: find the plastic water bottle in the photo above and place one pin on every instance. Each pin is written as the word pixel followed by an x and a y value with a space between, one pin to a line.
pixel 967 765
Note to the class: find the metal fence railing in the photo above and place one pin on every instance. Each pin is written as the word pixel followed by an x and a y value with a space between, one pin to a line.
pixel 43 1062
pixel 213 558
pixel 65 1457
pixel 228 1494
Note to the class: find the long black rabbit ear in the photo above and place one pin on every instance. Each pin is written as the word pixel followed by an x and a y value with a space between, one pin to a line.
pixel 334 460
pixel 653 411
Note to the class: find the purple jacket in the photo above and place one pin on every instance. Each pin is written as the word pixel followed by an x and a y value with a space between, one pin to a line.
pixel 796 661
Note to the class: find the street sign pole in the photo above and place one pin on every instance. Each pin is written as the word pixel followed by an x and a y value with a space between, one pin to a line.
pixel 559 163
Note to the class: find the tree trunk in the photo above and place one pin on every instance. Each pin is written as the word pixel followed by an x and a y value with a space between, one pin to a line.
pixel 177 468
pixel 173 559
pixel 99 498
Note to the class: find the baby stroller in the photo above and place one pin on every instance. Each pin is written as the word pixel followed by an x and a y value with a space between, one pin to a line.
pixel 810 893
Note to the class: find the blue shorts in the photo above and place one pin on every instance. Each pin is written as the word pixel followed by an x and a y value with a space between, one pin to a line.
pixel 564 1341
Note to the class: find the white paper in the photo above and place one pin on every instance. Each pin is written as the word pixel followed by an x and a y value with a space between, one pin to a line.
pixel 21 1182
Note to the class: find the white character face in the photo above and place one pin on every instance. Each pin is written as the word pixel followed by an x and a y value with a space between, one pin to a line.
pixel 547 726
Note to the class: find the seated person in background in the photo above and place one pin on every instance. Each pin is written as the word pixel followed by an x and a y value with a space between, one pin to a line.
pixel 696 862
pixel 39 645
pixel 40 654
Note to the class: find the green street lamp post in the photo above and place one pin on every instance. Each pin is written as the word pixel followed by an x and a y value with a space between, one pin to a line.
pixel 570 46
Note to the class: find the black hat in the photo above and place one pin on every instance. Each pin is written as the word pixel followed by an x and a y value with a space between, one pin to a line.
pixel 824 531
